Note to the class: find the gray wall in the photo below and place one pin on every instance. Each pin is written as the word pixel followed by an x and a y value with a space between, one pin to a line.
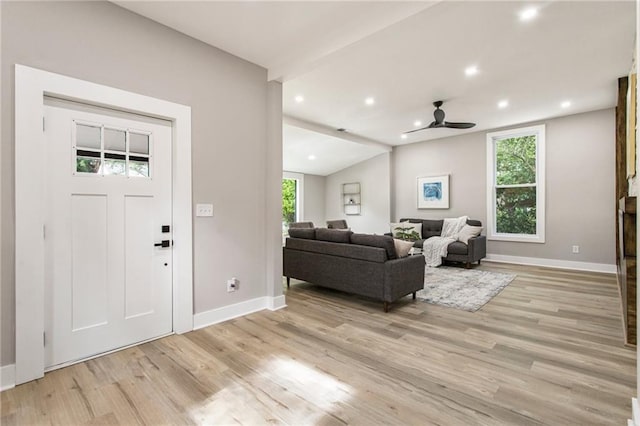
pixel 580 165
pixel 103 43
pixel 374 177
pixel 314 201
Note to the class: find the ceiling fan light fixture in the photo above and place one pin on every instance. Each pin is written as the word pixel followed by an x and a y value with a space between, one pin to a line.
pixel 439 121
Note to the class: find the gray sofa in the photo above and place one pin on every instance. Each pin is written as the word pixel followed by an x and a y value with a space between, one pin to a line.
pixel 458 251
pixel 366 265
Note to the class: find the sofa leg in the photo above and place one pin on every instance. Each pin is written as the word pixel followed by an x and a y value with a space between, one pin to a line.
pixel 288 282
pixel 414 295
pixel 386 306
pixel 467 265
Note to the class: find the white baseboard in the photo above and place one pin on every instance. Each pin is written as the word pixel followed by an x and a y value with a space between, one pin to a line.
pixel 7 377
pixel 215 316
pixel 635 413
pixel 553 263
pixel 275 303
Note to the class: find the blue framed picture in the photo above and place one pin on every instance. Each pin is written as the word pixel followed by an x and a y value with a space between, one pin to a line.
pixel 433 192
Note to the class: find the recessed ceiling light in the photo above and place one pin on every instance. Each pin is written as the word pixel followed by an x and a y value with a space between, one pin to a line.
pixel 403 136
pixel 528 14
pixel 299 98
pixel 311 157
pixel 565 104
pixel 472 70
pixel 370 101
pixel 417 123
pixel 503 104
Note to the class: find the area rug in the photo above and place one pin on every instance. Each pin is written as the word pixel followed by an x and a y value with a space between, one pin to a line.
pixel 466 289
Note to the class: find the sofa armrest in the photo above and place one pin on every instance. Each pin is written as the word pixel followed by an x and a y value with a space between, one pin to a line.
pixel 477 248
pixel 402 276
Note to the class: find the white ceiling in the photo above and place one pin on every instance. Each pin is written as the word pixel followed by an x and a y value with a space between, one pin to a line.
pixel 409 54
pixel 330 153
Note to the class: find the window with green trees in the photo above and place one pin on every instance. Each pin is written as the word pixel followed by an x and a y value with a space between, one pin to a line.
pixel 516 184
pixel 289 201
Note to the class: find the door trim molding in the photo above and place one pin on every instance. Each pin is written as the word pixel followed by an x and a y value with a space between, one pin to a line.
pixel 31 85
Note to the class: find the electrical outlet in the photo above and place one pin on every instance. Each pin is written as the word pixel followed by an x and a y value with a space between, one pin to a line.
pixel 232 284
pixel 575 249
pixel 204 210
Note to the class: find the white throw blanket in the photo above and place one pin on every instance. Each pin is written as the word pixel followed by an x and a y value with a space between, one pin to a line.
pixel 435 248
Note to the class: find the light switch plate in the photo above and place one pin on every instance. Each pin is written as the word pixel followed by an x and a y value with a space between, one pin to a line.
pixel 204 210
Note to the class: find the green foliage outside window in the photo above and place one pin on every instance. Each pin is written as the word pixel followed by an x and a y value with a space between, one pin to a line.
pixel 516 205
pixel 288 200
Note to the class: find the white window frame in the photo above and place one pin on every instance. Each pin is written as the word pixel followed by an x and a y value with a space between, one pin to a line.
pixel 299 193
pixel 492 137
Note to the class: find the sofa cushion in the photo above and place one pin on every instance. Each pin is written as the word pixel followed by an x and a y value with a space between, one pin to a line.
pixel 467 232
pixel 402 247
pixel 406 231
pixel 301 225
pixel 381 241
pixel 333 235
pixel 352 251
pixel 306 233
pixel 457 247
pixel 431 228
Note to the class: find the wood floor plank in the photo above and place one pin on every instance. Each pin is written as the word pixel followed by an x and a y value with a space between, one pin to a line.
pixel 547 350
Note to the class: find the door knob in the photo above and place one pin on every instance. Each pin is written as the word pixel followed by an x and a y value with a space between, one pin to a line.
pixel 163 243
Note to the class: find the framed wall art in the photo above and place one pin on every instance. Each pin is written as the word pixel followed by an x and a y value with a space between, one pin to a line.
pixel 433 192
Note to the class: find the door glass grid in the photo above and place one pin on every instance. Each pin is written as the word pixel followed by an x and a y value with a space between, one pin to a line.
pixel 100 150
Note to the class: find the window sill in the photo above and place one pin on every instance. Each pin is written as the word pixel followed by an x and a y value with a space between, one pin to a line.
pixel 537 239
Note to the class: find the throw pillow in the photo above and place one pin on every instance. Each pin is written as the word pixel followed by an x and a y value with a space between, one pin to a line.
pixel 467 232
pixel 406 231
pixel 402 247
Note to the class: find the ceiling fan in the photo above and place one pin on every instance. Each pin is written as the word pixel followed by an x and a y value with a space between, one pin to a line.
pixel 439 122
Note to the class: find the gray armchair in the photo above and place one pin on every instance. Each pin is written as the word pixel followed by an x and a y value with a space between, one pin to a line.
pixel 337 224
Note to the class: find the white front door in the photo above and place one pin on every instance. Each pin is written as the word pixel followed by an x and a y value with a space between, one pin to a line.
pixel 108 188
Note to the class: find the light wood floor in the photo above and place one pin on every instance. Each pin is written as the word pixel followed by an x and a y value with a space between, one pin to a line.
pixel 547 350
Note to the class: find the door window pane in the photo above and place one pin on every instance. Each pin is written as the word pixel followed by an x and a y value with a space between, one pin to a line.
pixel 87 136
pixel 87 162
pixel 138 143
pixel 114 140
pixel 107 151
pixel 114 164
pixel 139 166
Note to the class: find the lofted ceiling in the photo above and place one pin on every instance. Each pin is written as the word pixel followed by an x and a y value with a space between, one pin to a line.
pixel 408 54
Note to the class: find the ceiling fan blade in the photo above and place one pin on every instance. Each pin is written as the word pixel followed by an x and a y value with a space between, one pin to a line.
pixel 452 125
pixel 430 126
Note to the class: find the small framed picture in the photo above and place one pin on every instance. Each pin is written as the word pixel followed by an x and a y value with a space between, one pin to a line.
pixel 433 192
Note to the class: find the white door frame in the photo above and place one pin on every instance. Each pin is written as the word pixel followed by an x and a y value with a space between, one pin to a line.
pixel 31 86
